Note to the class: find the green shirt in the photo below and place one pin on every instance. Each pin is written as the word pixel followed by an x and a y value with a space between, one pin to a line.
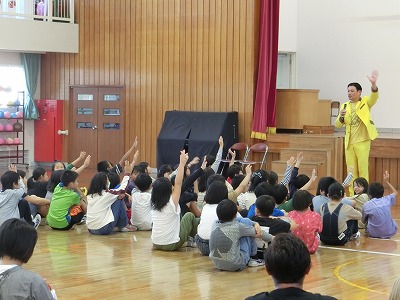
pixel 287 206
pixel 63 199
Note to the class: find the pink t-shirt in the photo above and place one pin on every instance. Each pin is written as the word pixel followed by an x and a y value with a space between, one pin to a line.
pixel 308 224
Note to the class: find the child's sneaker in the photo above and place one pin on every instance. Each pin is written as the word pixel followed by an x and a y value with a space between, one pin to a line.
pixel 129 228
pixel 355 236
pixel 36 221
pixel 256 262
pixel 83 221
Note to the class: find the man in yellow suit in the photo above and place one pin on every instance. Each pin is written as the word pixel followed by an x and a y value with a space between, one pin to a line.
pixel 360 129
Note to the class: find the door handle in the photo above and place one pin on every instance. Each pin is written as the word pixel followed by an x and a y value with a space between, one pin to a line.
pixel 94 127
pixel 63 132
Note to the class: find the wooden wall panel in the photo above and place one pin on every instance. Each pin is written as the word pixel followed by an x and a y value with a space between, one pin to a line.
pixel 170 55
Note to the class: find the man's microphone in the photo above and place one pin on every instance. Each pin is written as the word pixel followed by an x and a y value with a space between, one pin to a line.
pixel 341 119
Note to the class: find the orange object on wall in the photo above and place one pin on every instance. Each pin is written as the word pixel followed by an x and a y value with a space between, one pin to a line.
pixel 48 143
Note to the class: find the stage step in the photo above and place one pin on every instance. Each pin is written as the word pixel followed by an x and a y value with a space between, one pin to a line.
pixel 309 154
pixel 306 167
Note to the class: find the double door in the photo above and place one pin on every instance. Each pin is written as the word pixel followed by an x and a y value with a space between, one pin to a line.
pixel 97 123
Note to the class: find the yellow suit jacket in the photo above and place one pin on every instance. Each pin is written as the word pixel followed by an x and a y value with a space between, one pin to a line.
pixel 363 112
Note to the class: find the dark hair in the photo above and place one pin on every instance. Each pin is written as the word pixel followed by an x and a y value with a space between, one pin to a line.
pixel 264 188
pixel 237 180
pixel 137 169
pixel 280 193
pixel 226 210
pixel 210 160
pixel 102 166
pixel 376 190
pixel 265 205
pixel 17 239
pixel 161 193
pixel 163 170
pixel 68 176
pixel 324 183
pixel 300 180
pixel 301 200
pixel 361 181
pixel 233 170
pixel 114 179
pixel 54 180
pixel 272 178
pixel 336 191
pixel 143 165
pixel 143 182
pixel 21 173
pixel 56 162
pixel 257 177
pixel 98 183
pixel 356 85
pixel 215 177
pixel 36 173
pixel 287 259
pixel 202 180
pixel 216 192
pixel 8 179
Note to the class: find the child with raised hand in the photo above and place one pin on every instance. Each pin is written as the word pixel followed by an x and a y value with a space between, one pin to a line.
pixel 141 203
pixel 106 166
pixel 68 204
pixel 309 223
pixel 232 242
pixel 17 242
pixel 105 211
pixel 14 202
pixel 59 165
pixel 339 221
pixel 376 212
pixel 169 231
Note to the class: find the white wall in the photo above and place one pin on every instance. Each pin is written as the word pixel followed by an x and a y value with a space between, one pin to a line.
pixel 287 26
pixel 342 41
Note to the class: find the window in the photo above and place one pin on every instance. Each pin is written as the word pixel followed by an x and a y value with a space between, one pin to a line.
pixel 12 78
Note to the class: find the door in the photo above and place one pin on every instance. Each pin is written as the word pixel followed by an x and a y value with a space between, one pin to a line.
pixel 97 123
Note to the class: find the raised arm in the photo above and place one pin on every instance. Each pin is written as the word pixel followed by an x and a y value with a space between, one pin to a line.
pixel 86 164
pixel 126 155
pixel 245 181
pixel 176 193
pixel 82 155
pixel 312 179
pixel 218 157
pixel 289 167
pixel 386 180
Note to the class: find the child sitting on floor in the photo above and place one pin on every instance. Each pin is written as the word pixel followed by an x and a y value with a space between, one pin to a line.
pixel 308 222
pixel 376 212
pixel 339 221
pixel 68 205
pixel 17 242
pixel 232 242
pixel 170 232
pixel 105 210
pixel 141 203
pixel 14 203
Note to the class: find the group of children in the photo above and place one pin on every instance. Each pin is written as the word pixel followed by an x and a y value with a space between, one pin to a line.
pixel 240 216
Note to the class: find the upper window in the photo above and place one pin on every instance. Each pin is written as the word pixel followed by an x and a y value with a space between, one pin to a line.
pixel 12 81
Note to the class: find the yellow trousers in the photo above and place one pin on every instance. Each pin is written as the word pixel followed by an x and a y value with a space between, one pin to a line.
pixel 357 155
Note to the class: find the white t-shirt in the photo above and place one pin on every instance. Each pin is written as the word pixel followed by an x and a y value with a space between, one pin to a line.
pixel 208 217
pixel 99 211
pixel 166 224
pixel 141 210
pixel 245 200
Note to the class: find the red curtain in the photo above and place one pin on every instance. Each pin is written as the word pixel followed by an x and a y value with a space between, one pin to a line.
pixel 264 117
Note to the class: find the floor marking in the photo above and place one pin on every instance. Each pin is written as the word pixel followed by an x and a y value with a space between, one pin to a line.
pixel 361 251
pixel 336 272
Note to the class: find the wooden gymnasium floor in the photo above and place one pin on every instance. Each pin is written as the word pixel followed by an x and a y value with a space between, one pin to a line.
pixel 124 266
